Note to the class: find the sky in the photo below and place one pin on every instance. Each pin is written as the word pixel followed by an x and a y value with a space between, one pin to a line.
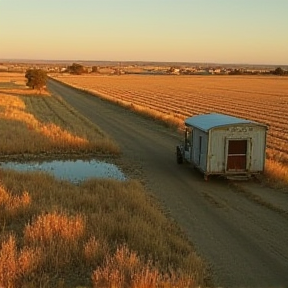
pixel 202 31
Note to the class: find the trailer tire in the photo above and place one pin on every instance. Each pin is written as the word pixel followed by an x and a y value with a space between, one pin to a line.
pixel 179 155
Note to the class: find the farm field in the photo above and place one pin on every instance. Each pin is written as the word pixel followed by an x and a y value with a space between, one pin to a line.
pixel 173 98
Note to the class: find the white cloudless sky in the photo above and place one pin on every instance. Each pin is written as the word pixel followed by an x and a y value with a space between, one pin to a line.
pixel 217 31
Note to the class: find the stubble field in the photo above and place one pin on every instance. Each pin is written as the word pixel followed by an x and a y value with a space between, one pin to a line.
pixel 173 98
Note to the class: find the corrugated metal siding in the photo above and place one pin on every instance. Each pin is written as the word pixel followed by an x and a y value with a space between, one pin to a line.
pixel 258 147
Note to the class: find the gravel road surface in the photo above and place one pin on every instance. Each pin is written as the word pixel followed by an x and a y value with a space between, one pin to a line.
pixel 240 229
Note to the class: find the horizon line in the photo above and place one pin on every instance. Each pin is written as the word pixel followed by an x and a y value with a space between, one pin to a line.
pixel 133 61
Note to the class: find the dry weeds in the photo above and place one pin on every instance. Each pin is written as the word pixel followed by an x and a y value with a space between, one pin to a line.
pixel 129 270
pixel 16 265
pixel 78 235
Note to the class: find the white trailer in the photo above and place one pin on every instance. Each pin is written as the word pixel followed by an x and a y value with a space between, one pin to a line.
pixel 219 144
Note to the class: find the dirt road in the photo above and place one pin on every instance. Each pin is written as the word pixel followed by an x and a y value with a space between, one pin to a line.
pixel 240 229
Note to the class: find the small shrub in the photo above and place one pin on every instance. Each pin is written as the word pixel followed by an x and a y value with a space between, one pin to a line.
pixel 125 269
pixel 12 205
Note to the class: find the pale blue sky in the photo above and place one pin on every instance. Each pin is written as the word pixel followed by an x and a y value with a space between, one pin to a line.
pixel 218 31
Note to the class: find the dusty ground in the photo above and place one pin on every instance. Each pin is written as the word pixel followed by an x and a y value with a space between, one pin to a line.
pixel 241 229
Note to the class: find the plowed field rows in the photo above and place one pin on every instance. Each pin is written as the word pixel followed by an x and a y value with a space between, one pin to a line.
pixel 262 99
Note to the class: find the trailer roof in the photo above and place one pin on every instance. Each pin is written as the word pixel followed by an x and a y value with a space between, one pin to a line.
pixel 206 122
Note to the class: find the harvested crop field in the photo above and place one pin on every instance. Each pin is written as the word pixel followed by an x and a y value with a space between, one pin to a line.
pixel 173 98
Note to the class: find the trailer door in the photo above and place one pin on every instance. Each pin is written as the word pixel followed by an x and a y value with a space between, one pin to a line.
pixel 236 159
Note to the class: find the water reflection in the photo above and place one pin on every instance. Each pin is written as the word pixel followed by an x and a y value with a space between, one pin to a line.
pixel 74 171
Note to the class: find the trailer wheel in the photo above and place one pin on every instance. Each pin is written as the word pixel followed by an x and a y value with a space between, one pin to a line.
pixel 179 155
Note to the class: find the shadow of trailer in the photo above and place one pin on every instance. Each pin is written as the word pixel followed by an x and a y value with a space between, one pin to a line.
pixel 219 144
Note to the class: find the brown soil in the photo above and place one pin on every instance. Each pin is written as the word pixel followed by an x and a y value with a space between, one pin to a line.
pixel 239 228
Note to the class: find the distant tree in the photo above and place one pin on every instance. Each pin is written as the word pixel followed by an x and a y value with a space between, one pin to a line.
pixel 76 69
pixel 279 71
pixel 36 78
pixel 95 69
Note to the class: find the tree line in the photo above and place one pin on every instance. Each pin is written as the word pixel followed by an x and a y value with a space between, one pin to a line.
pixel 37 78
pixel 278 71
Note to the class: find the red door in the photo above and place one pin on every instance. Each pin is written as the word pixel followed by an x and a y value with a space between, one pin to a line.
pixel 237 155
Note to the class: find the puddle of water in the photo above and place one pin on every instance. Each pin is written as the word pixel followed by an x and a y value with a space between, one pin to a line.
pixel 74 171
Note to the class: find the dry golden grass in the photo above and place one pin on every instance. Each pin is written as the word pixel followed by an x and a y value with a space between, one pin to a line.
pixel 58 234
pixel 43 124
pixel 276 173
pixel 13 204
pixel 16 265
pixel 125 268
pixel 88 234
pixel 173 98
